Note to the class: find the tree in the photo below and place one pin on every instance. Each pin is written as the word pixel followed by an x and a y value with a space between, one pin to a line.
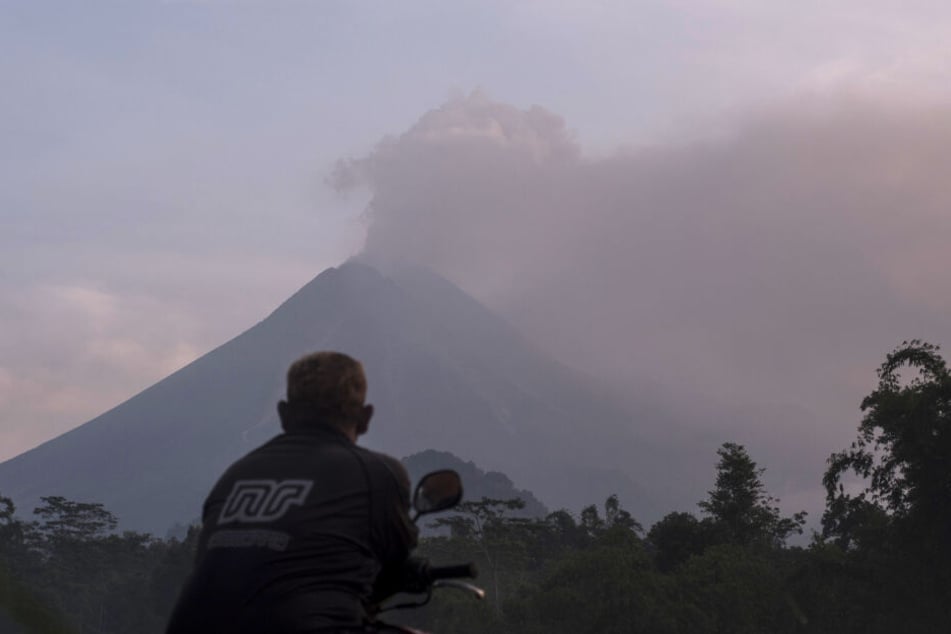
pixel 11 529
pixel 609 588
pixel 895 523
pixel 734 588
pixel 174 563
pixel 63 519
pixel 17 601
pixel 678 537
pixel 563 533
pixel 500 543
pixel 615 519
pixel 740 506
pixel 22 606
pixel 902 452
pixel 7 511
pixel 83 569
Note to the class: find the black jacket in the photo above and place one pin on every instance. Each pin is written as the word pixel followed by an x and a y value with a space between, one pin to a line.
pixel 300 534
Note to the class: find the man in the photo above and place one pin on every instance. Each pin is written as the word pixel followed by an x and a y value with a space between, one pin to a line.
pixel 304 533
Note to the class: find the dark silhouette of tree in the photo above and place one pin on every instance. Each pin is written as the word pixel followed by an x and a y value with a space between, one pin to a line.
pixel 678 537
pixel 500 542
pixel 615 518
pixel 11 530
pixel 895 524
pixel 65 520
pixel 740 506
pixel 902 452
pixel 19 603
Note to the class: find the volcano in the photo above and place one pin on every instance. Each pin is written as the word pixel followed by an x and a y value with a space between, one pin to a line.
pixel 444 373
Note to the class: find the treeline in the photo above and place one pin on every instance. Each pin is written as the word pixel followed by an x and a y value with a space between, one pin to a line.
pixel 725 571
pixel 68 572
pixel 880 563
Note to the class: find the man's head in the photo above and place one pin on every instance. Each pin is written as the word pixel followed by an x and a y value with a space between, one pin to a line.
pixel 332 387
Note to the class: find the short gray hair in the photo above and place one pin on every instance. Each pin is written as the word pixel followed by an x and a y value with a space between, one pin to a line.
pixel 332 381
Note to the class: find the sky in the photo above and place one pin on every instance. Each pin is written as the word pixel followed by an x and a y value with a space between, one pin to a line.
pixel 740 206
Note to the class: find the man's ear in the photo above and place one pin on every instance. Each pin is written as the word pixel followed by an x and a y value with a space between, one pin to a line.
pixel 363 420
pixel 282 413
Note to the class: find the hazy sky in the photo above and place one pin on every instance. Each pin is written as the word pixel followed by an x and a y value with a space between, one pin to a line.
pixel 739 205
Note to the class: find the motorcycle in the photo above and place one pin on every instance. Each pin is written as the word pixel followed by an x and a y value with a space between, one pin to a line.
pixel 436 491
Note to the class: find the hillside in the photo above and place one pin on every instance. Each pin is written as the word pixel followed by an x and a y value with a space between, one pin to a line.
pixel 444 373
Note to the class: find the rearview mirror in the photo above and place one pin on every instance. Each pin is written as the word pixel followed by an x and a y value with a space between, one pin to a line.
pixel 437 491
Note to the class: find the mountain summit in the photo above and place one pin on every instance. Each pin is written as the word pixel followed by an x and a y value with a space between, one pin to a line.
pixel 444 373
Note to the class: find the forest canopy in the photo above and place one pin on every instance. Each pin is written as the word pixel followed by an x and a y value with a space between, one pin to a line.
pixel 881 562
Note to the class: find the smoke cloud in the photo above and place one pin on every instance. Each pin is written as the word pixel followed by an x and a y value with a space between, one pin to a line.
pixel 752 283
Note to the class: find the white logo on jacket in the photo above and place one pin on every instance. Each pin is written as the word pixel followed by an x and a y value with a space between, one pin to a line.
pixel 259 501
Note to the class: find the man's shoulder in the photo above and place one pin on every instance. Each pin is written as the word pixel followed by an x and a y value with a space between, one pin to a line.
pixel 378 455
pixel 385 464
pixel 270 458
pixel 253 456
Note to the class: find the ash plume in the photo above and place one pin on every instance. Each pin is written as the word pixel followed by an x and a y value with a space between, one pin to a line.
pixel 753 282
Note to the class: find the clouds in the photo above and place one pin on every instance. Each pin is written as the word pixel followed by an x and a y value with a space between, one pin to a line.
pixel 176 151
pixel 77 350
pixel 485 162
pixel 756 280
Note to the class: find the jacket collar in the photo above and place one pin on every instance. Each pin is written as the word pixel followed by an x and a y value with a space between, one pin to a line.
pixel 308 418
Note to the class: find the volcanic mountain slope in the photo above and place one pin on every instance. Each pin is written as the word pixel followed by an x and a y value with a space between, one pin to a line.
pixel 444 373
pixel 477 484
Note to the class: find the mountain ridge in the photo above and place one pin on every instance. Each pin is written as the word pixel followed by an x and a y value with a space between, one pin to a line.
pixel 444 372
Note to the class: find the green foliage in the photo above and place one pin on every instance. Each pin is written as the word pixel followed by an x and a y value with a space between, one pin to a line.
pixel 882 563
pixel 615 518
pixel 608 587
pixel 606 583
pixel 174 562
pixel 17 602
pixel 22 606
pixel 70 571
pixel 11 530
pixel 501 545
pixel 63 521
pixel 897 527
pixel 740 506
pixel 678 537
pixel 732 588
pixel 903 449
